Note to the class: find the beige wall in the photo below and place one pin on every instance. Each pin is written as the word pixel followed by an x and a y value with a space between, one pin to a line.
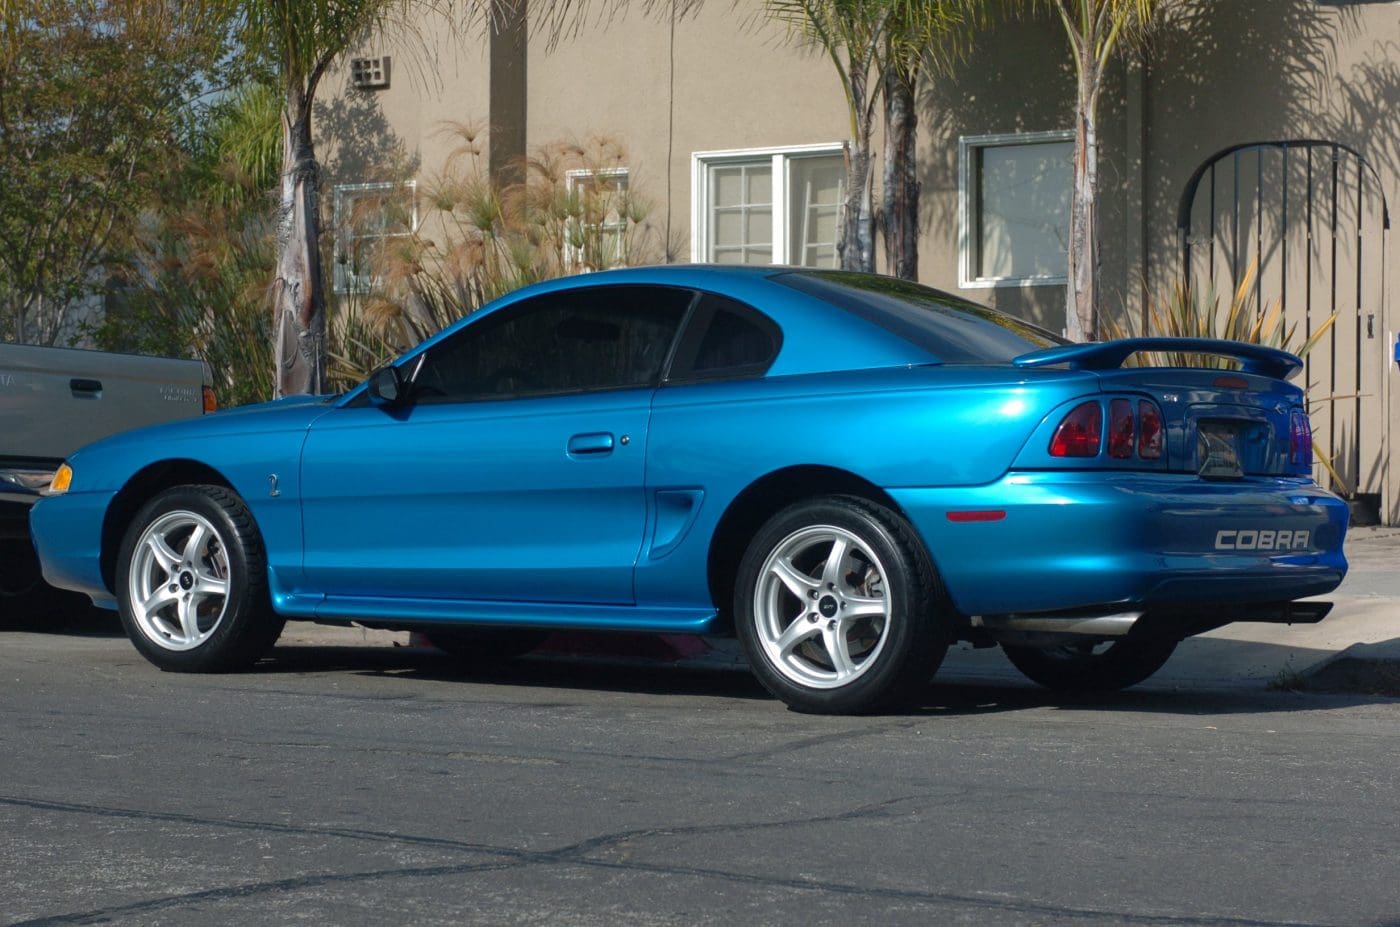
pixel 1218 73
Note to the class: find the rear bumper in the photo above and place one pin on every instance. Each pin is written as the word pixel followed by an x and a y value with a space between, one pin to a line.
pixel 1152 542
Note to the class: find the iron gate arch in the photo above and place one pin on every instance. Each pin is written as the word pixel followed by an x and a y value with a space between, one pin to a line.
pixel 1306 214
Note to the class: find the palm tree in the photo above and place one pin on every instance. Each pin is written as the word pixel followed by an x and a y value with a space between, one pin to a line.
pixel 919 34
pixel 1096 30
pixel 299 39
pixel 879 49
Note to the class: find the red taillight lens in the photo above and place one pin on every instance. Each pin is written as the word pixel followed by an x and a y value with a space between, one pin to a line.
pixel 1149 430
pixel 210 403
pixel 1120 429
pixel 1300 439
pixel 1080 432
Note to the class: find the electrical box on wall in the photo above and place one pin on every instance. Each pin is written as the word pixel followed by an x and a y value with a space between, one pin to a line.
pixel 370 73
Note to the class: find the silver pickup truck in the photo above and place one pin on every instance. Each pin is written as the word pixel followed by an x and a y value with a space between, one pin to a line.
pixel 55 400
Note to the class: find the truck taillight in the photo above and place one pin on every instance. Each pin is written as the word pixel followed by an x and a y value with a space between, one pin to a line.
pixel 1080 433
pixel 211 404
pixel 1300 439
pixel 1121 428
pixel 1149 430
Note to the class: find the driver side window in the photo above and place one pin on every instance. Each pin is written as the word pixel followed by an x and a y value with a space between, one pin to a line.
pixel 596 338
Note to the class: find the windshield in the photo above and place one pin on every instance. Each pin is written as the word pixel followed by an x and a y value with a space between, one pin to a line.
pixel 951 329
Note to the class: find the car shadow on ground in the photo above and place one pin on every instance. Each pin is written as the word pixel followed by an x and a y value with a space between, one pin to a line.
pixel 959 689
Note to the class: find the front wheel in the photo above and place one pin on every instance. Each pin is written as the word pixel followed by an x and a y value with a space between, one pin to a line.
pixel 192 582
pixel 1092 666
pixel 838 607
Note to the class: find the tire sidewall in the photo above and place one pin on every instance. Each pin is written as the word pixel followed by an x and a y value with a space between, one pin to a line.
pixel 244 604
pixel 911 636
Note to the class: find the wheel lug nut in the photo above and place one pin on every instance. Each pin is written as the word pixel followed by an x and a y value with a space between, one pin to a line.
pixel 812 617
pixel 831 626
pixel 813 593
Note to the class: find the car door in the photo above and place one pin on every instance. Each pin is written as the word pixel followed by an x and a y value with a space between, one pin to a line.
pixel 515 471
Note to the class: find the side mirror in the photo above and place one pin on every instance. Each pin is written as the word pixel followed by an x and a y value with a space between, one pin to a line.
pixel 388 386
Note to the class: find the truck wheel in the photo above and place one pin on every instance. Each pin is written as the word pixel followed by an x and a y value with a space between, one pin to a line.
pixel 192 582
pixel 1090 667
pixel 838 607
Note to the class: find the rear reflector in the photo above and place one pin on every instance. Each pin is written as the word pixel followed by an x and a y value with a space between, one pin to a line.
pixel 1300 439
pixel 987 515
pixel 1120 429
pixel 1150 430
pixel 1080 433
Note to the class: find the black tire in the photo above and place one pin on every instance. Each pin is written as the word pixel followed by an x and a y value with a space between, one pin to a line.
pixel 224 633
pixel 894 653
pixel 1090 668
pixel 485 647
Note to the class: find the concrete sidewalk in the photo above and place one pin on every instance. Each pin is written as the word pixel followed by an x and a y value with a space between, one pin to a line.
pixel 1356 648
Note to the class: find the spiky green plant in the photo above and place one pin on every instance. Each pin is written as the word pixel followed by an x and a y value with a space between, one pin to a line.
pixel 1185 313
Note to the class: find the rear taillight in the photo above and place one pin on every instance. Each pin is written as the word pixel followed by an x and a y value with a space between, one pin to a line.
pixel 1133 427
pixel 1120 429
pixel 1080 432
pixel 1149 430
pixel 210 403
pixel 1300 439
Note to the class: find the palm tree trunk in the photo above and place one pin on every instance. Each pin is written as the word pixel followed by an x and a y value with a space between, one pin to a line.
pixel 298 299
pixel 900 225
pixel 856 245
pixel 1082 294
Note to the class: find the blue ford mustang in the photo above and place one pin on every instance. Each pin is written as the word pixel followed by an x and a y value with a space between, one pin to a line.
pixel 849 472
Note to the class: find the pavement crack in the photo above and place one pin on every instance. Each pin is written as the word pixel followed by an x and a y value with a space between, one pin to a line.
pixel 578 854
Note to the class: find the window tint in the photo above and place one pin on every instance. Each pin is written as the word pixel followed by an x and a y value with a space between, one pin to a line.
pixel 725 339
pixel 585 339
pixel 951 329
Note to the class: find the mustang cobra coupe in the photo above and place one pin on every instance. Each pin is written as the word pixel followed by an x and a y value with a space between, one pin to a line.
pixel 848 472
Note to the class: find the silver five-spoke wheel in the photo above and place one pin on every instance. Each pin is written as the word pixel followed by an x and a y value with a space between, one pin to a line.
pixel 838 606
pixel 179 580
pixel 821 607
pixel 192 582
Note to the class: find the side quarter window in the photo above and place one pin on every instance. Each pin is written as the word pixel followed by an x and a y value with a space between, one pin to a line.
pixel 725 339
pixel 580 340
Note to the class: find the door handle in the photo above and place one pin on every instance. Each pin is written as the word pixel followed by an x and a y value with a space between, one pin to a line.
pixel 86 388
pixel 594 443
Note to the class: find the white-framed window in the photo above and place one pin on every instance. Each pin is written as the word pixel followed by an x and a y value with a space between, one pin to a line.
pixel 596 237
pixel 367 217
pixel 1013 204
pixel 767 205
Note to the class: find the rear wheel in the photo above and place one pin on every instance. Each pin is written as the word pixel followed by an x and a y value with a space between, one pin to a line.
pixel 1092 666
pixel 838 607
pixel 192 582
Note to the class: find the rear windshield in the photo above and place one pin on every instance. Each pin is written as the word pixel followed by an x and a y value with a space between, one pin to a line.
pixel 951 329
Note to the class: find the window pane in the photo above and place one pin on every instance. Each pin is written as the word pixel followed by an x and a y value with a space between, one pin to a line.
pixel 760 185
pixel 760 227
pixel 729 228
pixel 727 186
pixel 732 341
pixel 594 338
pixel 1023 198
pixel 816 189
pixel 741 214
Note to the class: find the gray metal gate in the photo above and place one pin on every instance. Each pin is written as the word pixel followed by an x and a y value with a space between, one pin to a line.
pixel 1312 217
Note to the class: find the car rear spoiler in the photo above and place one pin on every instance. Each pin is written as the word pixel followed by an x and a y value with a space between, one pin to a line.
pixel 1109 355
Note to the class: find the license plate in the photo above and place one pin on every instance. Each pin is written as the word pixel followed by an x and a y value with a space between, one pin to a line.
pixel 1218 451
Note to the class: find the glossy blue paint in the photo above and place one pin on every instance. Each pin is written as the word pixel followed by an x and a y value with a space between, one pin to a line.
pixel 599 509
